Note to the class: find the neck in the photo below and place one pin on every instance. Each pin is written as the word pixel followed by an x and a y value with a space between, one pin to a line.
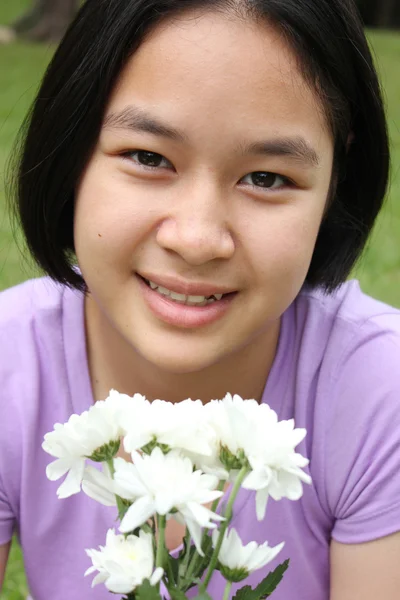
pixel 113 363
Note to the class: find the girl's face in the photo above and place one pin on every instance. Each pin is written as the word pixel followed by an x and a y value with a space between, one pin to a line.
pixel 210 177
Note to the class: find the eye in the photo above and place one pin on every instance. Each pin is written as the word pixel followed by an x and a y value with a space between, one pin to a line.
pixel 149 160
pixel 266 180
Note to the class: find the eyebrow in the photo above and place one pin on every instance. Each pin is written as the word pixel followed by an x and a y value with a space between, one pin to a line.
pixel 295 148
pixel 136 119
pixel 133 118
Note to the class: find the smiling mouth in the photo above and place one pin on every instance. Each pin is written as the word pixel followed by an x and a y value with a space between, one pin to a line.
pixel 187 300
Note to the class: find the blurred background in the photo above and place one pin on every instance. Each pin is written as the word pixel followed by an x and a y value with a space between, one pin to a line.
pixel 29 31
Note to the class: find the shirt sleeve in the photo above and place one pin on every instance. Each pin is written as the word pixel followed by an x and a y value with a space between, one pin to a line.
pixel 11 444
pixel 7 520
pixel 362 450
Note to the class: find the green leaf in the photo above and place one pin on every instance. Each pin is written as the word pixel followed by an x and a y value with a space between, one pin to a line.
pixel 122 506
pixel 106 452
pixel 202 564
pixel 146 528
pixel 176 594
pixel 245 593
pixel 266 587
pixel 270 583
pixel 175 562
pixel 147 592
pixel 202 595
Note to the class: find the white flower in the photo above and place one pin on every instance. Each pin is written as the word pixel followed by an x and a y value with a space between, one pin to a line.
pixel 240 561
pixel 277 484
pixel 99 485
pixel 78 439
pixel 161 483
pixel 232 421
pixel 276 467
pixel 179 426
pixel 235 421
pixel 267 444
pixel 124 563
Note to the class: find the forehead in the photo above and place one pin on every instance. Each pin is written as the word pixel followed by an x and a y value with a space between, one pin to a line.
pixel 220 69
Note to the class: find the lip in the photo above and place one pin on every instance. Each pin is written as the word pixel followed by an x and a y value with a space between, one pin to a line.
pixel 182 315
pixel 186 287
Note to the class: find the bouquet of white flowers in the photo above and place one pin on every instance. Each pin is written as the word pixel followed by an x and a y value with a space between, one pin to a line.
pixel 183 456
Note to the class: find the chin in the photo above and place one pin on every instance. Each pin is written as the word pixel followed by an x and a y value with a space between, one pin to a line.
pixel 180 361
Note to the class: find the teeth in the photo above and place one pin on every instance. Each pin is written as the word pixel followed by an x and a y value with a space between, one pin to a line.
pixel 196 299
pixel 163 291
pixel 182 298
pixel 179 297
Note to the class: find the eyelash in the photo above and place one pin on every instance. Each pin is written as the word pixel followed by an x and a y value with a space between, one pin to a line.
pixel 129 154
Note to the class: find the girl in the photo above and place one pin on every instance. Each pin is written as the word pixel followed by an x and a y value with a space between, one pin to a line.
pixel 214 167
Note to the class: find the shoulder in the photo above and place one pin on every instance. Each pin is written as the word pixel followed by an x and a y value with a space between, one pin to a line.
pixel 349 310
pixel 347 334
pixel 31 344
pixel 33 310
pixel 30 323
pixel 35 317
pixel 357 411
pixel 30 313
pixel 21 334
pixel 353 342
pixel 346 341
pixel 27 300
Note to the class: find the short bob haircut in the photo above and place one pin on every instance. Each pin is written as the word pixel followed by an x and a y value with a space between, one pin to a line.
pixel 63 126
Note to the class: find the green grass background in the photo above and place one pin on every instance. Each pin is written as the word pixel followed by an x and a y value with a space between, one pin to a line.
pixel 21 66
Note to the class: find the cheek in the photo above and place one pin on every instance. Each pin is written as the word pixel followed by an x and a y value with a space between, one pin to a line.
pixel 110 217
pixel 282 245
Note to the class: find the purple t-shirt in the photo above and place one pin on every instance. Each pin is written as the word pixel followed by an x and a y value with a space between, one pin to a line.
pixel 337 372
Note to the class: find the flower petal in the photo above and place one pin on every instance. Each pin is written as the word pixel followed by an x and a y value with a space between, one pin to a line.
pixel 261 503
pixel 98 486
pixel 72 483
pixel 196 534
pixel 257 479
pixel 156 577
pixel 58 468
pixel 165 502
pixel 264 555
pixel 137 514
pixel 119 584
pixel 100 578
pixel 127 482
pixel 124 562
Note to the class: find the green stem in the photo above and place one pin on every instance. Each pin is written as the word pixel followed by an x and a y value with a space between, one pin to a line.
pixel 214 507
pixel 153 526
pixel 192 566
pixel 110 463
pixel 196 558
pixel 227 590
pixel 120 505
pixel 171 578
pixel 228 516
pixel 220 488
pixel 161 521
pixel 185 561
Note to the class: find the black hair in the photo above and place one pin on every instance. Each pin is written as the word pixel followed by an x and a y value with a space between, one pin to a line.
pixel 64 123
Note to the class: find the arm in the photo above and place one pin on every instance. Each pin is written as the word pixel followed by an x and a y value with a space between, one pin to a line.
pixel 4 551
pixel 368 571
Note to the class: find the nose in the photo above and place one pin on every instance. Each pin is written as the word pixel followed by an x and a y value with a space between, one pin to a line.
pixel 197 228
